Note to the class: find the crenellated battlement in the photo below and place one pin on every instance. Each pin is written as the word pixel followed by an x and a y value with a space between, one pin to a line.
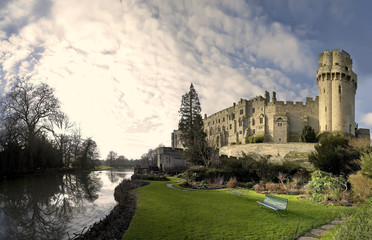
pixel 309 102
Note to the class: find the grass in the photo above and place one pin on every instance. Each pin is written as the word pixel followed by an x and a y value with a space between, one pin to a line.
pixel 100 168
pixel 165 213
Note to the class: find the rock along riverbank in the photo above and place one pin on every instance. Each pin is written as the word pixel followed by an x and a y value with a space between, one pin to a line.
pixel 114 225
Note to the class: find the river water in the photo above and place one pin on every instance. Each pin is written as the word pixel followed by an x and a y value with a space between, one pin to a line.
pixel 55 206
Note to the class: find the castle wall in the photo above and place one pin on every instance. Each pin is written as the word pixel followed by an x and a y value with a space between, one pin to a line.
pixel 235 123
pixel 275 152
pixel 227 125
pixel 297 116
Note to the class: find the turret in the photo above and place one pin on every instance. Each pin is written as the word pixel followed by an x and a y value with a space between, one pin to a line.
pixel 337 85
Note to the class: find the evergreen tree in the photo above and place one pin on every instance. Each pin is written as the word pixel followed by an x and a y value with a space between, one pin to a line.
pixel 307 134
pixel 191 127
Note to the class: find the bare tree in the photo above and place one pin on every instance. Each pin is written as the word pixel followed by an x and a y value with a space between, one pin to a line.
pixel 29 106
pixel 62 128
pixel 111 157
pixel 76 140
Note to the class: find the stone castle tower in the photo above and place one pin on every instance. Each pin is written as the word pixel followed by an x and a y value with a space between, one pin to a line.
pixel 337 85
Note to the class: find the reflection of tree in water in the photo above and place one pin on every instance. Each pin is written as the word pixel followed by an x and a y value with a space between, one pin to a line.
pixel 115 176
pixel 39 207
pixel 112 176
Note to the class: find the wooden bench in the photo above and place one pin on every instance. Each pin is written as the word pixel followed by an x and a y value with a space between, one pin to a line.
pixel 274 202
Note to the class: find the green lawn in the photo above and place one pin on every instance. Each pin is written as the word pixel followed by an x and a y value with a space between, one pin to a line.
pixel 100 168
pixel 165 213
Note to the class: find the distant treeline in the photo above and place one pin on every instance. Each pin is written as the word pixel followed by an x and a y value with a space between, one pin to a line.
pixel 146 160
pixel 36 134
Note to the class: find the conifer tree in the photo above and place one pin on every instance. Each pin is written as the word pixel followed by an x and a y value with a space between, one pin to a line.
pixel 191 127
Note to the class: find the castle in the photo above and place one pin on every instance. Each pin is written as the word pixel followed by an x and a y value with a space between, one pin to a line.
pixel 280 122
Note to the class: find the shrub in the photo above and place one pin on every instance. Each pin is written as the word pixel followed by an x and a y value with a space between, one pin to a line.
pixel 362 145
pixel 361 186
pixel 255 139
pixel 273 187
pixel 259 187
pixel 333 154
pixel 216 183
pixel 195 173
pixel 366 159
pixel 357 226
pixel 324 186
pixel 213 173
pixel 307 134
pixel 232 183
pixel 248 185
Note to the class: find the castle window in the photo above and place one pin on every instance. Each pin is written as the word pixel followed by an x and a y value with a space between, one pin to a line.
pixel 211 131
pixel 280 124
pixel 323 90
pixel 325 109
pixel 339 89
pixel 346 69
pixel 240 132
pixel 223 119
pixel 240 123
pixel 326 127
pixel 218 120
pixel 253 131
pixel 230 126
pixel 209 123
pixel 233 116
pixel 241 111
pixel 261 120
pixel 336 63
pixel 279 139
pixel 253 122
pixel 253 110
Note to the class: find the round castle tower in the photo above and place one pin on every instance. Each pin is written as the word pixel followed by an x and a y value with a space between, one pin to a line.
pixel 337 85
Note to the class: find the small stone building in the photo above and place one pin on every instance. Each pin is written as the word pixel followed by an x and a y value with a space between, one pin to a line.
pixel 170 160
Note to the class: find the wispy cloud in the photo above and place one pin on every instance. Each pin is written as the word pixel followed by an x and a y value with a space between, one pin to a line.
pixel 120 68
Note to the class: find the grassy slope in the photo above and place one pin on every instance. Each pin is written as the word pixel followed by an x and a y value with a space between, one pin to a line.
pixel 165 213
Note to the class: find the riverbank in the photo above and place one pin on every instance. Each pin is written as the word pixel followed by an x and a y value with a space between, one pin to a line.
pixel 114 225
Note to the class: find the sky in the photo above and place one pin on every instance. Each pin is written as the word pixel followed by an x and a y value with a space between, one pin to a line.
pixel 120 68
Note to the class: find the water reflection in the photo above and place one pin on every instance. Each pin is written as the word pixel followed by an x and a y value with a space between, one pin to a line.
pixel 49 206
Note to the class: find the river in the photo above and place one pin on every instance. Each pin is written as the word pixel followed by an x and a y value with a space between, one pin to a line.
pixel 55 206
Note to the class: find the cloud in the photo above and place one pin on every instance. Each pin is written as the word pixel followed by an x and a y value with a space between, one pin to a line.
pixel 120 68
pixel 367 119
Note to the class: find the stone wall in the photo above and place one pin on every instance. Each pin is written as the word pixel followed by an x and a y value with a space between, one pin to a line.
pixel 275 152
